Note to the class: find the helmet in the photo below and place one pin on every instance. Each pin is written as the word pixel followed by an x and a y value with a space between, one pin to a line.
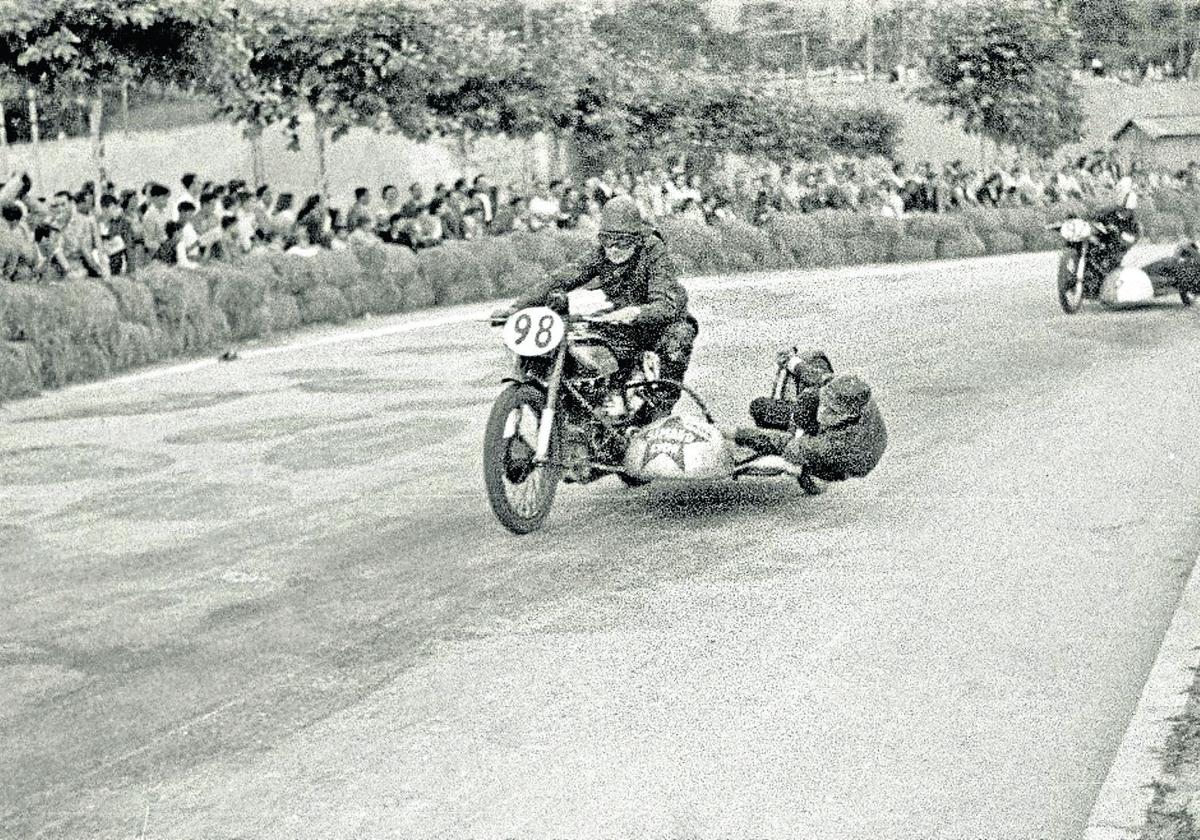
pixel 620 215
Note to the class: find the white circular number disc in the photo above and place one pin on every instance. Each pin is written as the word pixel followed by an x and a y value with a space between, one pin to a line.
pixel 535 331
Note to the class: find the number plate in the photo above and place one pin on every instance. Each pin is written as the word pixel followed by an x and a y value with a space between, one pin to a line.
pixel 535 331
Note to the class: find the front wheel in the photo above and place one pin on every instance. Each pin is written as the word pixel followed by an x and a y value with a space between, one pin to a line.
pixel 1070 284
pixel 519 490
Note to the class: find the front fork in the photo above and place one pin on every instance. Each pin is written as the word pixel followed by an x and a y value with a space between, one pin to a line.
pixel 1080 268
pixel 546 424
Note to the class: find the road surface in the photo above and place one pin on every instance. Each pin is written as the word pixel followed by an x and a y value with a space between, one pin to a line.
pixel 268 598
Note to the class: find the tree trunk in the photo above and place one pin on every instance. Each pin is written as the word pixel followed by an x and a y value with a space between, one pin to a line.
pixel 322 171
pixel 95 115
pixel 4 160
pixel 257 164
pixel 125 105
pixel 805 68
pixel 870 74
pixel 35 140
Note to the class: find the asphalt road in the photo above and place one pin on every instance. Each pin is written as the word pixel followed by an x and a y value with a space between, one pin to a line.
pixel 268 598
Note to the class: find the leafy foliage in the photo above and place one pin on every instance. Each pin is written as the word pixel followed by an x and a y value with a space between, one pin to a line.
pixel 71 48
pixel 1004 69
pixel 366 65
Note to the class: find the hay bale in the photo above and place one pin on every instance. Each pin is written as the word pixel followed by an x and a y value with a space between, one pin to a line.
pixel 323 305
pixel 698 243
pixel 793 234
pixel 20 370
pixel 191 322
pixel 134 300
pixel 383 288
pixel 500 262
pixel 969 245
pixel 455 274
pixel 822 253
pixel 283 312
pixel 1002 242
pixel 1163 226
pixel 740 238
pixel 294 274
pixel 240 295
pixel 915 249
pixel 403 272
pixel 841 224
pixel 23 311
pixel 576 244
pixel 520 279
pixel 867 249
pixel 543 248
pixel 980 219
pixel 936 227
pixel 137 344
pixel 340 269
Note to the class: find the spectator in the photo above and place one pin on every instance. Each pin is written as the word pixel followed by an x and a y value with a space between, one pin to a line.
pixel 544 209
pixel 361 208
pixel 228 247
pixel 20 259
pixel 416 202
pixel 189 194
pixel 283 220
pixel 450 216
pixel 154 220
pixel 116 234
pixel 427 227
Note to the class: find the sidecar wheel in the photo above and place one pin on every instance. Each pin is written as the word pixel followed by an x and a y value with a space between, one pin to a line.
pixel 519 491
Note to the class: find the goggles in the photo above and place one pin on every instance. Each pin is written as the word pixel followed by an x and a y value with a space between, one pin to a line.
pixel 619 240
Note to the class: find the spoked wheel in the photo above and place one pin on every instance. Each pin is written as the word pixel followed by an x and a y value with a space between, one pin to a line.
pixel 1070 285
pixel 520 491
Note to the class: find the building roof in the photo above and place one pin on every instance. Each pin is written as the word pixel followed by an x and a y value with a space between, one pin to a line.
pixel 1169 125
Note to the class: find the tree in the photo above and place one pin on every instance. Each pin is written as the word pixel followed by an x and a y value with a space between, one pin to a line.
pixel 678 32
pixel 788 36
pixel 368 65
pixel 1004 69
pixel 72 50
pixel 1108 29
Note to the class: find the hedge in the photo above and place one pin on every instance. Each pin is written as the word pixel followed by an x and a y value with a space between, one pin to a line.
pixel 58 333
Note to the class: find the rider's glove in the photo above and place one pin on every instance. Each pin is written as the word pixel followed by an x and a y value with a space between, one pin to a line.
pixel 503 313
pixel 785 356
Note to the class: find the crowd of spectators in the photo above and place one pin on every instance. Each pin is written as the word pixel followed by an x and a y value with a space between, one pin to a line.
pixel 74 235
pixel 893 189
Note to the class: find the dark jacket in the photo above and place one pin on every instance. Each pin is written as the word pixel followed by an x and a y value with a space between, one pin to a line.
pixel 647 279
pixel 850 450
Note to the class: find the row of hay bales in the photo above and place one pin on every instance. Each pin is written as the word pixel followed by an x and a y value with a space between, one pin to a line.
pixel 59 333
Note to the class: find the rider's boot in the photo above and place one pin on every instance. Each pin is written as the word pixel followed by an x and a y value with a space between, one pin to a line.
pixel 762 441
pixel 809 484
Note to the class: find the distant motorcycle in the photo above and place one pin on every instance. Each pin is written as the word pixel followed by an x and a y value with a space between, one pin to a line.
pixel 1090 268
pixel 582 404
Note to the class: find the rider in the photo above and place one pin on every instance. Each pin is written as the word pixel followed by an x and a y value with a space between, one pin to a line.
pixel 632 267
pixel 1119 229
pixel 810 370
pixel 849 442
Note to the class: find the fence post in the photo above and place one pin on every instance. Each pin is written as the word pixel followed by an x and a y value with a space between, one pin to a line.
pixel 125 106
pixel 4 160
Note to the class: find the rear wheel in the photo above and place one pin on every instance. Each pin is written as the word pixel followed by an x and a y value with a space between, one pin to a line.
pixel 1070 284
pixel 520 491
